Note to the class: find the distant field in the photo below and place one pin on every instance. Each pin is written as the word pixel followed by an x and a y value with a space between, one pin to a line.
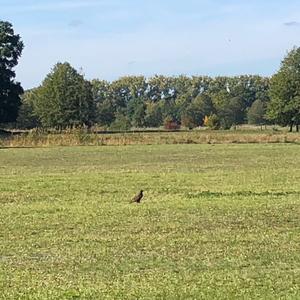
pixel 218 222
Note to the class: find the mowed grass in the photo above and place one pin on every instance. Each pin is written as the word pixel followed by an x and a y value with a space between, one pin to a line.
pixel 217 222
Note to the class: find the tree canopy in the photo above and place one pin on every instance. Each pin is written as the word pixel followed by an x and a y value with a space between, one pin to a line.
pixel 11 48
pixel 284 107
pixel 64 99
pixel 257 113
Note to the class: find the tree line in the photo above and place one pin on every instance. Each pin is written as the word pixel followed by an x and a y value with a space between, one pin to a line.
pixel 65 98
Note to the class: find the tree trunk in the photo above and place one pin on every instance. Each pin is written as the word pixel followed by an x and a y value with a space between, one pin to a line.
pixel 297 128
pixel 291 127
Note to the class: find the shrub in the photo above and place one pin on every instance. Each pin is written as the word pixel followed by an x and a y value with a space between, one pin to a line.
pixel 121 122
pixel 213 122
pixel 170 124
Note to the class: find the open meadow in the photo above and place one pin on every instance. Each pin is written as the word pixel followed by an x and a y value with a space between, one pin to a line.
pixel 216 222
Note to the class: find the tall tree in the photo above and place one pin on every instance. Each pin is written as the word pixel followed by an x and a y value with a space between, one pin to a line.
pixel 153 114
pixel 284 107
pixel 256 113
pixel 194 114
pixel 26 116
pixel 105 108
pixel 65 99
pixel 127 88
pixel 11 48
pixel 136 111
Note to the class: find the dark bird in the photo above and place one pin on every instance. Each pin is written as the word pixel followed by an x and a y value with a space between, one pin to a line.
pixel 137 198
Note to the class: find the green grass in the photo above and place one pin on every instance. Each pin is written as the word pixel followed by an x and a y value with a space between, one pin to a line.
pixel 218 222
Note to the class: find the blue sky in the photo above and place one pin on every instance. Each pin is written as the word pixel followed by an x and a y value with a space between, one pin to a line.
pixel 107 39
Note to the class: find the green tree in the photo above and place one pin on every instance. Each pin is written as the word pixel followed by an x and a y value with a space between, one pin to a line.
pixel 200 85
pixel 284 106
pixel 230 110
pixel 105 112
pixel 127 88
pixel 256 113
pixel 121 122
pixel 189 118
pixel 105 108
pixel 153 114
pixel 203 106
pixel 249 88
pixel 136 111
pixel 158 88
pixel 11 48
pixel 65 99
pixel 27 118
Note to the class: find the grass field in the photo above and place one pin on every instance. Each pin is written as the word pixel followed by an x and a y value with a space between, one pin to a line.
pixel 218 222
